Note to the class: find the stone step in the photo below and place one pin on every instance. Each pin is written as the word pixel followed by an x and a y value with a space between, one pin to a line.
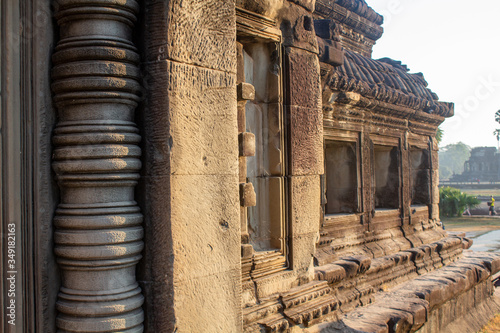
pixel 432 302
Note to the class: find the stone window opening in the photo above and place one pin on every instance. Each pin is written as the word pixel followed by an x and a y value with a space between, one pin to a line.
pixel 265 170
pixel 341 178
pixel 420 176
pixel 386 177
pixel 262 158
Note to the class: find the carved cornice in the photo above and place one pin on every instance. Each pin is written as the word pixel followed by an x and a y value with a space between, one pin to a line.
pixel 355 41
pixel 98 238
pixel 354 108
pixel 358 17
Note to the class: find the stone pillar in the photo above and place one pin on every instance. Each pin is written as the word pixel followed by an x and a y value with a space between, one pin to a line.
pixel 98 238
pixel 367 181
pixel 304 115
pixel 406 183
pixel 434 165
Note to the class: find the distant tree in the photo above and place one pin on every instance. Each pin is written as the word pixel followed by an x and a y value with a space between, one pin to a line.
pixel 497 131
pixel 497 134
pixel 445 172
pixel 452 158
pixel 453 202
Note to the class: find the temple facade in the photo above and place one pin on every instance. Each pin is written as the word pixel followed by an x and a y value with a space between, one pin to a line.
pixel 483 165
pixel 222 166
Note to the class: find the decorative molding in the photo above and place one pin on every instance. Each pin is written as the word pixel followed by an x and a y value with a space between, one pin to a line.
pixel 98 237
pixel 347 282
pixel 310 301
pixel 255 26
pixel 348 109
pixel 250 28
pixel 370 25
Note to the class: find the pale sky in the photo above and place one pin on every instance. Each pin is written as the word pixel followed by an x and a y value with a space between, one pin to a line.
pixel 456 45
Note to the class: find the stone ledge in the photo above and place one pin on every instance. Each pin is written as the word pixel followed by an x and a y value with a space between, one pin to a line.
pixel 425 258
pixel 354 281
pixel 337 241
pixel 436 298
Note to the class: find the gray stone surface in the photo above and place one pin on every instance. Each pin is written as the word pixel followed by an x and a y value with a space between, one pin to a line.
pixel 96 157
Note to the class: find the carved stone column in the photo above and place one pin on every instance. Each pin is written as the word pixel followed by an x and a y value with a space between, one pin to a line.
pixel 96 158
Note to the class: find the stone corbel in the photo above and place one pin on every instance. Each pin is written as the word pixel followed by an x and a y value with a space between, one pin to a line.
pixel 329 47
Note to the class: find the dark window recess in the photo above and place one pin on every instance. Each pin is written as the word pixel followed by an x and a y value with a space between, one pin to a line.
pixel 420 176
pixel 341 178
pixel 386 167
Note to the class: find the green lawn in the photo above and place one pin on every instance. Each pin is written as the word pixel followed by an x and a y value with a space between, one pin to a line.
pixel 456 223
pixel 482 192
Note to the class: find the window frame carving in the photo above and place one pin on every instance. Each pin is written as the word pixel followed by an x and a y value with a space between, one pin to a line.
pixel 255 28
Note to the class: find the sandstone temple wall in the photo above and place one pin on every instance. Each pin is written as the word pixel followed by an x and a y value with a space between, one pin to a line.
pixel 192 254
pixel 223 166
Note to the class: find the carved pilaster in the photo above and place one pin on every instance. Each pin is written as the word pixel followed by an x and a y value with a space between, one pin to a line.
pixel 98 238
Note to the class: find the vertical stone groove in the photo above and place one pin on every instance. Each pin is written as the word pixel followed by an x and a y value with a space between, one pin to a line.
pixel 98 238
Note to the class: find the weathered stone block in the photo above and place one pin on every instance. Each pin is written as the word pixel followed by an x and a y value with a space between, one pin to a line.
pixel 274 283
pixel 418 308
pixel 247 195
pixel 267 8
pixel 434 212
pixel 193 32
pixel 331 273
pixel 246 144
pixel 306 156
pixel 210 303
pixel 434 195
pixel 196 91
pixel 199 133
pixel 245 91
pixel 435 160
pixel 325 255
pixel 302 252
pixel 297 26
pixel 205 225
pixel 246 251
pixel 363 262
pixel 376 249
pixel 351 267
pixel 305 204
pixel 303 66
pixel 333 54
pixel 307 4
pixel 205 146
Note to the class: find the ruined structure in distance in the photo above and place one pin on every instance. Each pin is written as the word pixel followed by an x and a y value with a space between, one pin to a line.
pixel 223 166
pixel 483 165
